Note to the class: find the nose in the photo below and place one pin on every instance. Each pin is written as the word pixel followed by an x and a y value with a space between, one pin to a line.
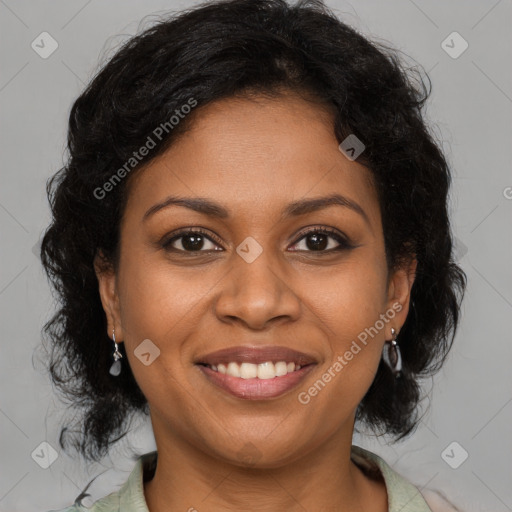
pixel 258 293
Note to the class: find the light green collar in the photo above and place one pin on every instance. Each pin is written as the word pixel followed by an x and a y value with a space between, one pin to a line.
pixel 402 495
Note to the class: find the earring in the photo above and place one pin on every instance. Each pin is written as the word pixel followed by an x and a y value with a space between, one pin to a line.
pixel 392 356
pixel 115 369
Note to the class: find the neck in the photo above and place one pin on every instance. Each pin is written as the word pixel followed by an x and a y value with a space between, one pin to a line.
pixel 324 479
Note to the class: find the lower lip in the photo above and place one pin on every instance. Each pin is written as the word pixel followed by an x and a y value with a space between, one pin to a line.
pixel 256 389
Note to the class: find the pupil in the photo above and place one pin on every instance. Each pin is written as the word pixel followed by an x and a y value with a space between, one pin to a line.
pixel 319 241
pixel 196 242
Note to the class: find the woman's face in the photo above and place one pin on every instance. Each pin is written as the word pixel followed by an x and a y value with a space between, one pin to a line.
pixel 254 280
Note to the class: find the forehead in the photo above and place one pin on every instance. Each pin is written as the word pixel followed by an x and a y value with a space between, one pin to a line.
pixel 255 155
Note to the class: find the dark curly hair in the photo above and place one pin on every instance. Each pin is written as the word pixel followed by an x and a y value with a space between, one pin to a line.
pixel 234 48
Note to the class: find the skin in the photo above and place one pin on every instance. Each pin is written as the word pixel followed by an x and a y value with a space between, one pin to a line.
pixel 254 157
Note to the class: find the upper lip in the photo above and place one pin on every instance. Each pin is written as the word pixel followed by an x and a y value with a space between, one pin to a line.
pixel 255 355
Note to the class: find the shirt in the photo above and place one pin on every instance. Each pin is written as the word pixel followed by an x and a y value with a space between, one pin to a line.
pixel 402 495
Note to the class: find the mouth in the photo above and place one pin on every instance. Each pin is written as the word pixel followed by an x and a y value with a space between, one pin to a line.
pixel 256 373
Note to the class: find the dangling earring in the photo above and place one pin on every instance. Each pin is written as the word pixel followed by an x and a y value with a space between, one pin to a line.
pixel 115 369
pixel 392 356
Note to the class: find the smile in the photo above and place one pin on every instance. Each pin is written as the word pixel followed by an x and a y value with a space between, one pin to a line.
pixel 266 370
pixel 256 382
pixel 256 373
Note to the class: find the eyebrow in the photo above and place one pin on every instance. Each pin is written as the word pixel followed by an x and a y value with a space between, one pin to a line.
pixel 295 209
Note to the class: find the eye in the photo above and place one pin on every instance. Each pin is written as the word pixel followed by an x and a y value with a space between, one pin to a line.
pixel 317 240
pixel 190 240
pixel 198 240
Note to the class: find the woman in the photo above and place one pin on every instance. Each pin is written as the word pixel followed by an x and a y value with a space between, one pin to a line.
pixel 252 246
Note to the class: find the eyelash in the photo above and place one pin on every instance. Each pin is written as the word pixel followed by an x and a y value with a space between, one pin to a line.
pixel 344 243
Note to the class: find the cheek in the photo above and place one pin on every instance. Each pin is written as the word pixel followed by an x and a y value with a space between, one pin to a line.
pixel 348 307
pixel 347 310
pixel 156 300
pixel 351 297
pixel 161 306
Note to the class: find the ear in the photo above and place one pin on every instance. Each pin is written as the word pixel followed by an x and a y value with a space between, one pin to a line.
pixel 399 293
pixel 109 296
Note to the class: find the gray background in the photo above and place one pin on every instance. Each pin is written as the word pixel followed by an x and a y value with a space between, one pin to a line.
pixel 470 399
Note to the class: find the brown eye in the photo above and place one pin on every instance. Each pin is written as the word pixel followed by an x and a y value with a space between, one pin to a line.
pixel 190 241
pixel 317 240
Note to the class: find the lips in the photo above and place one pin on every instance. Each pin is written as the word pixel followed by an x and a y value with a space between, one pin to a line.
pixel 255 355
pixel 243 373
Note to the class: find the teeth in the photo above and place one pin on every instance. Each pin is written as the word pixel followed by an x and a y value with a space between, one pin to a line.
pixel 233 370
pixel 266 370
pixel 248 370
pixel 281 368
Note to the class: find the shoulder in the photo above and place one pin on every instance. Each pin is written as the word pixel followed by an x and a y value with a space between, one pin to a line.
pixel 108 503
pixel 402 494
pixel 436 501
pixel 129 498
